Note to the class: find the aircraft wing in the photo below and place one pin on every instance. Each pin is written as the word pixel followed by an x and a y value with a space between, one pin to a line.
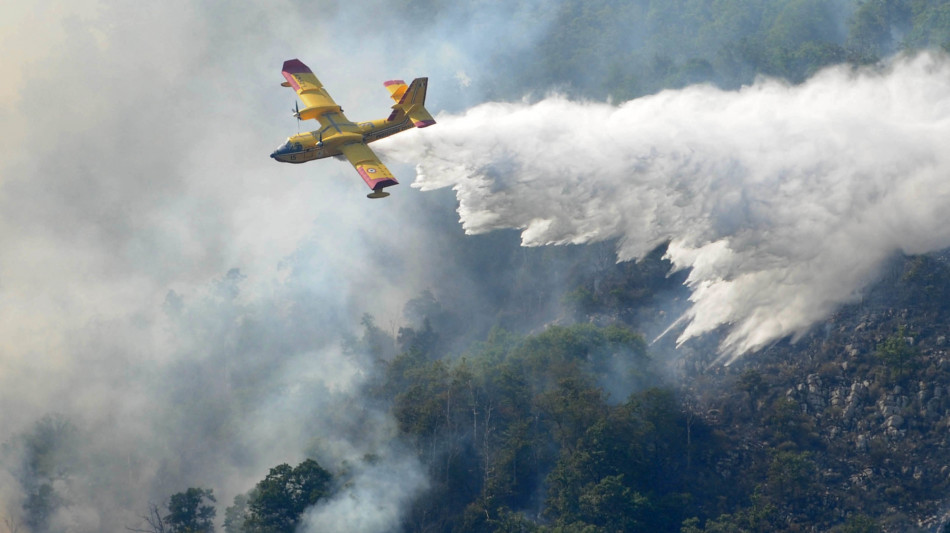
pixel 371 169
pixel 311 92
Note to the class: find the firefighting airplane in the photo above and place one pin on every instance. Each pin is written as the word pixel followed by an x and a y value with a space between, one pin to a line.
pixel 338 136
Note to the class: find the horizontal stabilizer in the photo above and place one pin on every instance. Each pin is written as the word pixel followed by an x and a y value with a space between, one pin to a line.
pixel 397 88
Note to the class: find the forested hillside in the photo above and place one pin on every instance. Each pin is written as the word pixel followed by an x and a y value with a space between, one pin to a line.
pixel 554 400
pixel 590 428
pixel 628 49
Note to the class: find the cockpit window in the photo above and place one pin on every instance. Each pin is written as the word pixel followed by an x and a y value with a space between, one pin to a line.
pixel 284 148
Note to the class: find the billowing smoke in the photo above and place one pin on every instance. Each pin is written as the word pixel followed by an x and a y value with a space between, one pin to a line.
pixel 782 200
pixel 374 498
pixel 173 303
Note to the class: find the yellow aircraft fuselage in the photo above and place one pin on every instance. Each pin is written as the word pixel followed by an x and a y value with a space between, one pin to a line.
pixel 321 143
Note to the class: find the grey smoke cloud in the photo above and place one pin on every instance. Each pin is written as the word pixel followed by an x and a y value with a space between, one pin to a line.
pixel 782 200
pixel 165 286
pixel 180 298
pixel 171 291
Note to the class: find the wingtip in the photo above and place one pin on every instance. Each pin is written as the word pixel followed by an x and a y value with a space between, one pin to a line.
pixel 373 182
pixel 295 66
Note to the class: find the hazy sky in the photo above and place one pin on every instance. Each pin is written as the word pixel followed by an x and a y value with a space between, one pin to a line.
pixel 181 298
pixel 168 288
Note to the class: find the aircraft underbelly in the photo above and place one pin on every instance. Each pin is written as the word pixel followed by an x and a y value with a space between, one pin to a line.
pixel 308 155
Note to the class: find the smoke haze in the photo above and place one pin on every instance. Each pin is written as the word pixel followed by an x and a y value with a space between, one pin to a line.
pixel 173 304
pixel 782 200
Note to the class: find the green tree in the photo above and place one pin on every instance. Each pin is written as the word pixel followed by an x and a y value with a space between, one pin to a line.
pixel 49 457
pixel 571 407
pixel 860 524
pixel 792 479
pixel 375 341
pixel 872 26
pixel 39 507
pixel 191 511
pixel 751 382
pixel 930 25
pixel 759 517
pixel 788 427
pixel 897 353
pixel 276 504
pixel 612 504
pixel 691 525
pixel 235 515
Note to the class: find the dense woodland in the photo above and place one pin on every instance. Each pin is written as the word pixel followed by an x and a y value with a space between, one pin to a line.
pixel 571 420
pixel 581 428
pixel 627 49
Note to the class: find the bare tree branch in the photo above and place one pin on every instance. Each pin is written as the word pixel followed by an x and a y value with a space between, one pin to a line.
pixel 154 521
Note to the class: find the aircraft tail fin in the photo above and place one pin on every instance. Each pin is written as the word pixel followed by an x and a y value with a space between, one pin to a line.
pixel 410 101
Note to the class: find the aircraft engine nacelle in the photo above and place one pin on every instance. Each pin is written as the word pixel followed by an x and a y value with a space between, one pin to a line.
pixel 315 111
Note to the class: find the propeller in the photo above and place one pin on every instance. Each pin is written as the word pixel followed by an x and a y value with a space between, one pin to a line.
pixel 297 114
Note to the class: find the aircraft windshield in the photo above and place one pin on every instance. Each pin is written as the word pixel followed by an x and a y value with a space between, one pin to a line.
pixel 286 147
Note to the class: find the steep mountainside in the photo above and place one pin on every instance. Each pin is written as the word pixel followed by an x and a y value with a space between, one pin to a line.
pixel 853 419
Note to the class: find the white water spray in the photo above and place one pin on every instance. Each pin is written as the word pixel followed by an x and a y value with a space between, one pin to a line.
pixel 782 200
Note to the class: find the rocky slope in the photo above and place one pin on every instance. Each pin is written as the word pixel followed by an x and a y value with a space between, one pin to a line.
pixel 862 404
